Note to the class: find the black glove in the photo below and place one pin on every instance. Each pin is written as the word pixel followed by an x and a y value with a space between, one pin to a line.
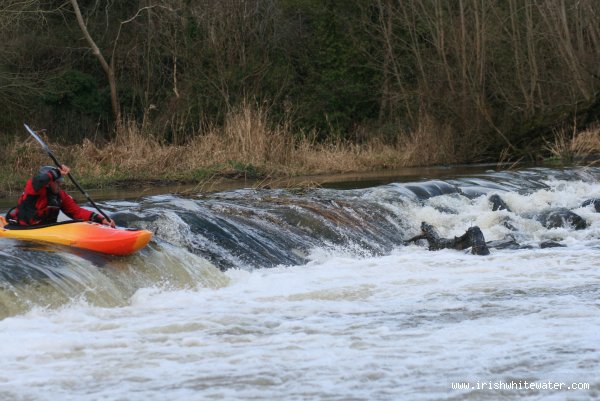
pixel 97 218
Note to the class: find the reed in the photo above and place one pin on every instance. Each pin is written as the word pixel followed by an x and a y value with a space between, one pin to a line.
pixel 569 145
pixel 248 145
pixel 430 144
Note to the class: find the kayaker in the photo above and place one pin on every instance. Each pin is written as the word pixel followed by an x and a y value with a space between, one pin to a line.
pixel 43 198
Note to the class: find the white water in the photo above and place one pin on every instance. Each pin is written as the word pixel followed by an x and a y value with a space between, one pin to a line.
pixel 399 327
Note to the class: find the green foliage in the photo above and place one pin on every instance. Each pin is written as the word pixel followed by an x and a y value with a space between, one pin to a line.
pixel 231 169
pixel 246 170
pixel 77 91
pixel 334 86
pixel 490 71
pixel 192 30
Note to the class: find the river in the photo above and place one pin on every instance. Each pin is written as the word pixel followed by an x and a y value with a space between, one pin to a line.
pixel 312 294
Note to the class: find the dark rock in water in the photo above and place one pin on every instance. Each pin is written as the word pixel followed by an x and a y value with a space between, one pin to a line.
pixel 507 243
pixel 445 210
pixel 562 218
pixel 595 202
pixel 477 241
pixel 126 219
pixel 506 223
pixel 473 238
pixel 554 218
pixel 498 203
pixel 551 244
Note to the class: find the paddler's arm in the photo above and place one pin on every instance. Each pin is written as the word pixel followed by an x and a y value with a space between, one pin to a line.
pixel 74 211
pixel 102 220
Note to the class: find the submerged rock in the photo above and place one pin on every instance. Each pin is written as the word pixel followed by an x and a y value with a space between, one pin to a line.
pixel 554 218
pixel 506 243
pixel 498 203
pixel 562 217
pixel 473 238
pixel 551 244
pixel 595 202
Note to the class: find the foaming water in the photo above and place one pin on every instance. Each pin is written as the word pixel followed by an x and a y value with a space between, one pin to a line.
pixel 402 326
pixel 48 277
pixel 345 311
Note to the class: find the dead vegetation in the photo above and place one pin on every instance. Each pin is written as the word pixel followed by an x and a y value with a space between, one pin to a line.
pixel 249 146
pixel 569 145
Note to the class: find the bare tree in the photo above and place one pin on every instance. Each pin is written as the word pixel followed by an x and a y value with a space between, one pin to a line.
pixel 109 66
pixel 109 69
pixel 18 81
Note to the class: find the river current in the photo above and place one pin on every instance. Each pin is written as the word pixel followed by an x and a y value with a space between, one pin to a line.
pixel 313 295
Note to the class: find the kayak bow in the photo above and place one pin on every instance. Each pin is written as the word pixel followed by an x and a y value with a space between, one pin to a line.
pixel 81 234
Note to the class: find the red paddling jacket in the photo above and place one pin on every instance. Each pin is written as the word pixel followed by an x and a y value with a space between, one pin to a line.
pixel 39 205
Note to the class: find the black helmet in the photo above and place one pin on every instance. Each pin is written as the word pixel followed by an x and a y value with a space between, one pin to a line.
pixel 47 169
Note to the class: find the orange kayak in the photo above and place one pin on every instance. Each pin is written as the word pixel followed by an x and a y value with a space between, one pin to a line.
pixel 81 234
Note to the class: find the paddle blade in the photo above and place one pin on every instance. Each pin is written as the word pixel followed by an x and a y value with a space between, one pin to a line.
pixel 37 138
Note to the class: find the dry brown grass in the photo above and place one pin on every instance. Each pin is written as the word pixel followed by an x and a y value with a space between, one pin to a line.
pixel 428 145
pixel 247 144
pixel 570 145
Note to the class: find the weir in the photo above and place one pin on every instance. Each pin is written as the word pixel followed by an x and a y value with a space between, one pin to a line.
pixel 197 238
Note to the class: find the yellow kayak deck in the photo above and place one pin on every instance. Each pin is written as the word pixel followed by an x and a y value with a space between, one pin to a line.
pixel 81 234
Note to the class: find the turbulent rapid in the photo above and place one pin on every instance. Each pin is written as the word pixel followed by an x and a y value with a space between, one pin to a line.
pixel 314 294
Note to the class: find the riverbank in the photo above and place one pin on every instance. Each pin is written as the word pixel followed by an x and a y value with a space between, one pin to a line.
pixel 354 180
pixel 248 149
pixel 247 146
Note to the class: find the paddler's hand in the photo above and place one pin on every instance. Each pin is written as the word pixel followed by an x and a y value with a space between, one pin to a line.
pixel 64 170
pixel 108 223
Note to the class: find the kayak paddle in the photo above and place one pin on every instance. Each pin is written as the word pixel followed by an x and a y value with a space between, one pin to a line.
pixel 55 160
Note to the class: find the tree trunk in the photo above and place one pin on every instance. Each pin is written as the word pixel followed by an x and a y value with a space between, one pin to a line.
pixel 108 68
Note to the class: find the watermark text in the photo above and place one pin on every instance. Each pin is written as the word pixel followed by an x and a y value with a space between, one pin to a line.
pixel 519 385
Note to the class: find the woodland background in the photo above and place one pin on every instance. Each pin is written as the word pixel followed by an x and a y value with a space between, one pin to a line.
pixel 462 81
